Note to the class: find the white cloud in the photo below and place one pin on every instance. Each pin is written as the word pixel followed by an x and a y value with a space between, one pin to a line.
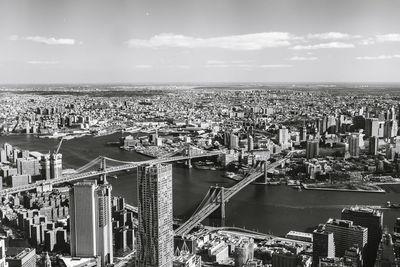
pixel 301 58
pixel 390 37
pixel 332 36
pixel 255 41
pixel 40 62
pixel 323 46
pixel 381 57
pixel 367 41
pixel 276 66
pixel 143 66
pixel 44 40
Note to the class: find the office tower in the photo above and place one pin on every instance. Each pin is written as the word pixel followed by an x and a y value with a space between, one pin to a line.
pixel 312 149
pixel 346 235
pixel 354 145
pixel 390 129
pixel 373 220
pixel 386 256
pixel 56 165
pixel 372 127
pixel 3 155
pixel 155 239
pixel 45 166
pixel 373 145
pixel 303 134
pixel 250 143
pixel 90 221
pixel 323 245
pixel 283 136
pixel 331 124
pixel 234 141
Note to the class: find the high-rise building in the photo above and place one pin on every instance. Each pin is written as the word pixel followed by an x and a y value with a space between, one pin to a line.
pixel 250 143
pixel 155 239
pixel 312 149
pixel 45 167
pixel 353 257
pixel 303 134
pixel 283 136
pixel 234 141
pixel 354 145
pixel 323 245
pixel 56 165
pixel 373 145
pixel 373 220
pixel 346 235
pixel 90 221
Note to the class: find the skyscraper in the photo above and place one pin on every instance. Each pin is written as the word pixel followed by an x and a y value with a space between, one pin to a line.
pixel 373 145
pixel 155 239
pixel 312 149
pixel 56 165
pixel 346 235
pixel 323 245
pixel 373 220
pixel 90 219
pixel 283 137
pixel 354 145
pixel 250 143
pixel 45 166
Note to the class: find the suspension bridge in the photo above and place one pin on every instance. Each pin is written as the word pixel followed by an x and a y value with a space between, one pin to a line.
pixel 213 204
pixel 107 166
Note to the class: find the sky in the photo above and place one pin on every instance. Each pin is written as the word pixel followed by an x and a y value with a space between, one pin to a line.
pixel 166 41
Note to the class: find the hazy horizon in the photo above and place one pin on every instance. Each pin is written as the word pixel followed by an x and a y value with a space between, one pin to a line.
pixel 188 41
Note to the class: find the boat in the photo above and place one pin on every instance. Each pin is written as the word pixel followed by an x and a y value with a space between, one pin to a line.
pixel 230 175
pixel 392 206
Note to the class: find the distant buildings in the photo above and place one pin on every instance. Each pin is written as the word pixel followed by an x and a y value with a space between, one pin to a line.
pixel 90 219
pixel 354 145
pixel 155 239
pixel 283 137
pixel 373 145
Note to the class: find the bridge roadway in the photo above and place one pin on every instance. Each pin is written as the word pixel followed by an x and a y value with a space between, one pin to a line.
pixel 83 175
pixel 204 212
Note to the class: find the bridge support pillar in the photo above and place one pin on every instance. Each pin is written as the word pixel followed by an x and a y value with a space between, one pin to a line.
pixel 189 163
pixel 218 216
pixel 103 177
pixel 264 178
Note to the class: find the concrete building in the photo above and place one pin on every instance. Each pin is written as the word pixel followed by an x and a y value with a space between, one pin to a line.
pixel 371 219
pixel 323 245
pixel 55 166
pixel 386 256
pixel 283 137
pixel 2 253
pixel 354 145
pixel 346 235
pixel 312 149
pixel 155 239
pixel 90 221
pixel 21 257
pixel 373 145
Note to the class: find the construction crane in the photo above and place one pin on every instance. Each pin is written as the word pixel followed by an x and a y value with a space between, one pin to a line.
pixel 59 145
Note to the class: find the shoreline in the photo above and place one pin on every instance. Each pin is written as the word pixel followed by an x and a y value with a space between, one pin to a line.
pixel 305 186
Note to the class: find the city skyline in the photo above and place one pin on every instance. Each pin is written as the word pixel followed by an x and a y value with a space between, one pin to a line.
pixel 207 41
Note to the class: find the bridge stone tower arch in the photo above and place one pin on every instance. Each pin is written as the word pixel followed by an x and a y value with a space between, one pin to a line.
pixel 218 196
pixel 103 167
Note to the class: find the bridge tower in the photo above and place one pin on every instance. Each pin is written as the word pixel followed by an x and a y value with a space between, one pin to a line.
pixel 218 196
pixel 264 178
pixel 189 154
pixel 103 167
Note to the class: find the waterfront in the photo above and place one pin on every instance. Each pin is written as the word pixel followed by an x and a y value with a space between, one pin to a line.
pixel 275 209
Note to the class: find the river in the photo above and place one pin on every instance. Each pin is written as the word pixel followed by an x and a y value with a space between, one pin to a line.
pixel 269 209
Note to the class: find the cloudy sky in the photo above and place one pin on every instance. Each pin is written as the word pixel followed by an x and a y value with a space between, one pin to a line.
pixel 96 41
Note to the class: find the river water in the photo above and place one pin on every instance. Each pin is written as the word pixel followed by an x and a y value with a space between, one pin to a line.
pixel 269 209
